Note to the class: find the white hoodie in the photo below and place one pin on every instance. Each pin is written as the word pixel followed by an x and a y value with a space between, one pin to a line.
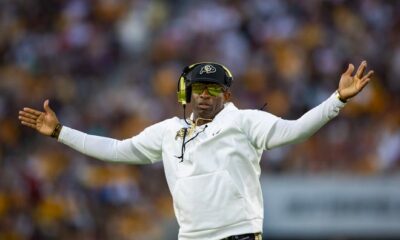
pixel 215 188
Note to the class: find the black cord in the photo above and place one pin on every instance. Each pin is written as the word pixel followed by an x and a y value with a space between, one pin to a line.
pixel 265 104
pixel 183 148
pixel 197 134
pixel 183 145
pixel 184 114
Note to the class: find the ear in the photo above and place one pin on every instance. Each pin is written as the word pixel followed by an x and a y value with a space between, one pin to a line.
pixel 227 95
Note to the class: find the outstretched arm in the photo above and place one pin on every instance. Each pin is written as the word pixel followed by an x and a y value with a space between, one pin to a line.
pixel 141 149
pixel 286 132
pixel 291 131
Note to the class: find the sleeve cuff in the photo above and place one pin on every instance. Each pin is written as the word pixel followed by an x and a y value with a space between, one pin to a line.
pixel 63 131
pixel 335 99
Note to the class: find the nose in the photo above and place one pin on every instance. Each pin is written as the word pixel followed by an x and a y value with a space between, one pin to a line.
pixel 205 93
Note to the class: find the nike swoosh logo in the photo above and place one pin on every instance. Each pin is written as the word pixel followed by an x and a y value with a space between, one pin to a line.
pixel 216 132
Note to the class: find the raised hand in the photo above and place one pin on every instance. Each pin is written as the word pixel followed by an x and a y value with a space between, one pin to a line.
pixel 349 85
pixel 44 122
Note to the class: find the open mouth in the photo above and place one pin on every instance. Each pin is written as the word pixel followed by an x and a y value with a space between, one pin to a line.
pixel 204 106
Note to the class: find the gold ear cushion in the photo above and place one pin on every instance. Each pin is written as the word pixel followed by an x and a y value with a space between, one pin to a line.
pixel 181 85
pixel 181 94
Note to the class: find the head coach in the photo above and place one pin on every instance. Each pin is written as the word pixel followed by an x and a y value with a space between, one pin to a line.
pixel 211 158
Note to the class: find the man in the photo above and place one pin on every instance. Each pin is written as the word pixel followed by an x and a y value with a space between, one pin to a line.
pixel 211 160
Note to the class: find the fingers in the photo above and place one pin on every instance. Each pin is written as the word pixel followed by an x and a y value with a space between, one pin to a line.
pixel 28 115
pixel 361 69
pixel 364 83
pixel 27 119
pixel 369 74
pixel 32 111
pixel 28 124
pixel 349 70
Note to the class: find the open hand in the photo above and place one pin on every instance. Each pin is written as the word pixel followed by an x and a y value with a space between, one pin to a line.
pixel 43 122
pixel 349 86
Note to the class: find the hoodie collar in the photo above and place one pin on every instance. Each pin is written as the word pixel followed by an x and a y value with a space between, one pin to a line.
pixel 228 107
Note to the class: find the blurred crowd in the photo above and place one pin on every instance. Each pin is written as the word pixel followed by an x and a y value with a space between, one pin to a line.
pixel 110 68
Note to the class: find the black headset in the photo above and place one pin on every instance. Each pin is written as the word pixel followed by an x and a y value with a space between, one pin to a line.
pixel 184 84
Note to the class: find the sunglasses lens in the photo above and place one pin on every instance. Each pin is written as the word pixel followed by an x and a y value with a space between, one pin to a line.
pixel 213 90
pixel 198 88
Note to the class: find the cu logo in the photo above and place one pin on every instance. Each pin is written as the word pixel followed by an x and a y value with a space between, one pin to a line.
pixel 208 69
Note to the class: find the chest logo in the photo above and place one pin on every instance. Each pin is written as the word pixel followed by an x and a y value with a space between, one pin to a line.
pixel 184 132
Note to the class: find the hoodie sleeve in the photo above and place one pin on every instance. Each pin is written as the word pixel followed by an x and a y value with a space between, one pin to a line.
pixel 292 131
pixel 144 148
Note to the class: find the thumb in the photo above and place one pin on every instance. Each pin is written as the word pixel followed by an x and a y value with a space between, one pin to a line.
pixel 349 70
pixel 47 107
